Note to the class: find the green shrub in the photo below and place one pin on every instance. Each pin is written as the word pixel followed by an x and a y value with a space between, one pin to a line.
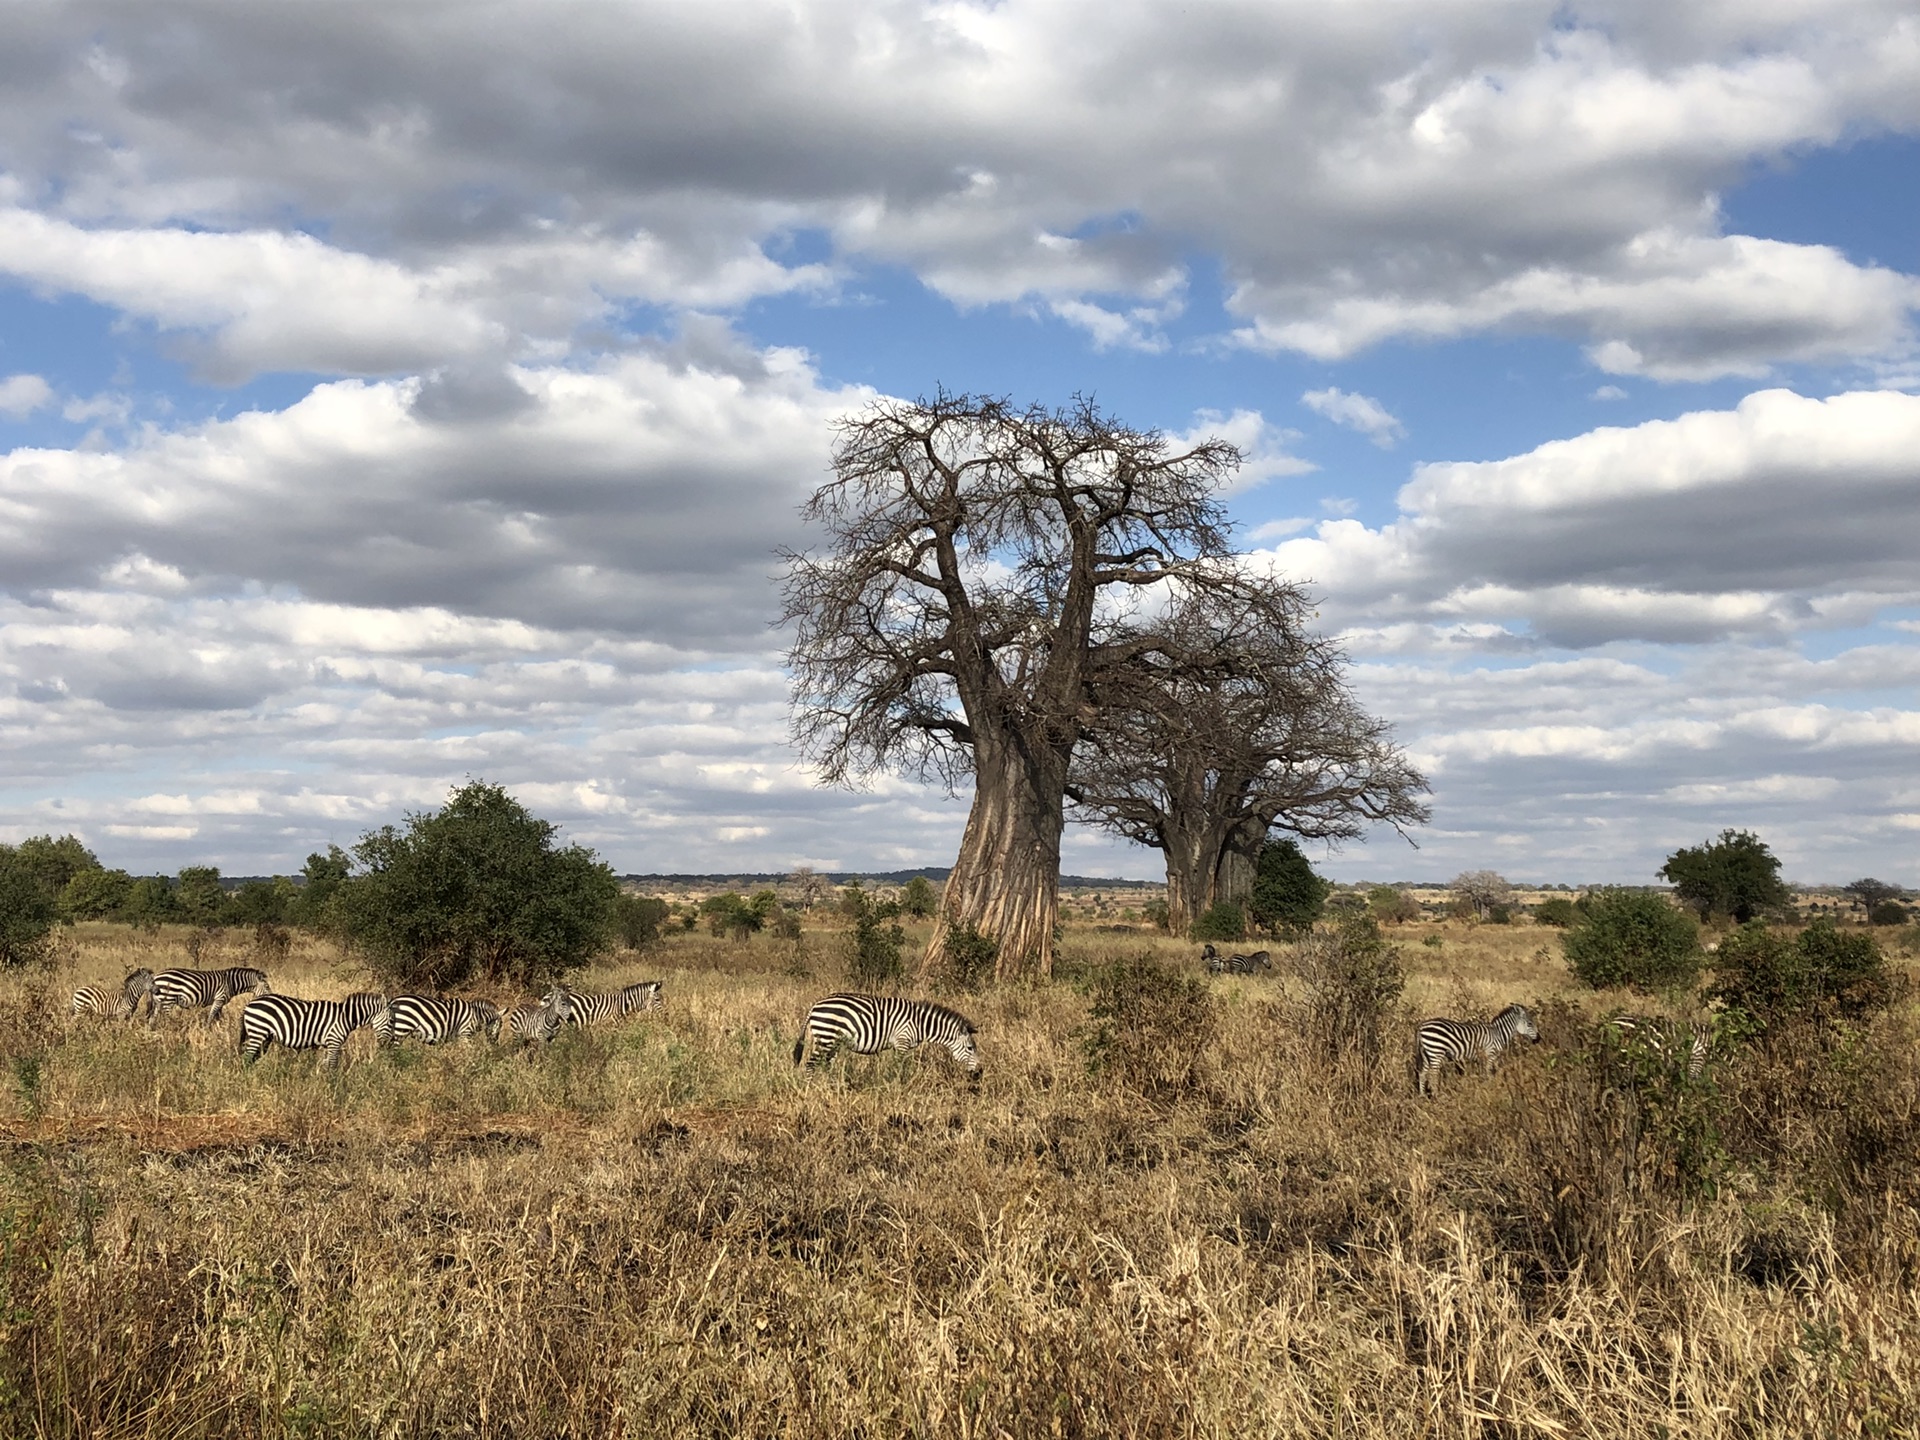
pixel 1887 912
pixel 731 915
pixel 1158 915
pixel 1390 906
pixel 1150 1026
pixel 1353 980
pixel 1223 920
pixel 1557 912
pixel 919 899
pixel 1287 895
pixel 1823 973
pixel 969 957
pixel 1735 877
pixel 638 919
pixel 1499 914
pixel 1634 937
pixel 873 950
pixel 28 911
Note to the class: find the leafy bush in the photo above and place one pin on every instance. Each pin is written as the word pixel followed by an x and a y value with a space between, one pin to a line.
pixel 1735 877
pixel 149 902
pixel 321 877
pixel 262 902
pixel 1822 973
pixel 1390 906
pixel 1887 912
pixel 1499 914
pixel 732 915
pixel 969 957
pixel 27 911
pixel 1158 915
pixel 475 889
pixel 1223 920
pixel 919 898
pixel 638 919
pixel 95 894
pixel 1287 895
pixel 873 949
pixel 1150 1026
pixel 199 897
pixel 1633 937
pixel 1353 980
pixel 1557 912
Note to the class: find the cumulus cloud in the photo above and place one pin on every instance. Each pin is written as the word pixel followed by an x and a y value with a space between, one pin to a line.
pixel 1356 412
pixel 1444 170
pixel 21 395
pixel 1781 515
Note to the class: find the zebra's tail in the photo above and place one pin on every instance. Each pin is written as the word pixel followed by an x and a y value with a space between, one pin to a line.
pixel 800 1047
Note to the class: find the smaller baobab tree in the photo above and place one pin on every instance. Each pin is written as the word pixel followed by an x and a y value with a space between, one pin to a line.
pixel 1237 722
pixel 977 585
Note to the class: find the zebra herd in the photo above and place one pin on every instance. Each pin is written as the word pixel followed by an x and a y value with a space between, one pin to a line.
pixel 294 1023
pixel 862 1024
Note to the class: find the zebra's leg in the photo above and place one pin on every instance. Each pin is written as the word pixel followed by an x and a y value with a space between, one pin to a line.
pixel 823 1047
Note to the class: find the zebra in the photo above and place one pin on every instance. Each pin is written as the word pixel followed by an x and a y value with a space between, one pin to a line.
pixel 1454 1042
pixel 198 989
pixel 1663 1038
pixel 587 1008
pixel 433 1020
pixel 1244 964
pixel 866 1024
pixel 305 1024
pixel 539 1022
pixel 115 1005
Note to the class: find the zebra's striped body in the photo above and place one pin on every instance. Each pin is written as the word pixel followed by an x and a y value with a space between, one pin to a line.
pixel 430 1020
pixel 866 1024
pixel 538 1022
pixel 203 989
pixel 304 1024
pixel 1454 1042
pixel 1665 1038
pixel 1240 964
pixel 99 1000
pixel 585 1008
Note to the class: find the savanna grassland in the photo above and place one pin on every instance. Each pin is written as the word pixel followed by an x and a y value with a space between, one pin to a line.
pixel 665 1230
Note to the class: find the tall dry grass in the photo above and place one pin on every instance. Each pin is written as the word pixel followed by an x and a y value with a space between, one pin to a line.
pixel 664 1230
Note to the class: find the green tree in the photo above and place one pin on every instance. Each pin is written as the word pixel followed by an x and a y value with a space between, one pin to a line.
pixel 476 889
pixel 28 911
pixel 1735 877
pixel 1633 937
pixel 1222 920
pixel 199 896
pixel 733 914
pixel 1287 895
pixel 263 902
pixel 1869 893
pixel 321 878
pixel 1391 906
pixel 149 902
pixel 919 898
pixel 1558 912
pixel 95 894
pixel 638 919
pixel 55 862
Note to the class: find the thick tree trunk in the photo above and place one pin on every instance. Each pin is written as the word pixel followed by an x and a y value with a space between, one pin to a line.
pixel 1189 871
pixel 1006 883
pixel 1233 880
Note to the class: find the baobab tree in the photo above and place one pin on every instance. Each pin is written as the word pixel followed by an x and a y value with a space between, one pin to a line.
pixel 1239 723
pixel 982 575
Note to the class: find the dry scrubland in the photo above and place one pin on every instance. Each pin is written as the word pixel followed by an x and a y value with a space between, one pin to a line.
pixel 665 1231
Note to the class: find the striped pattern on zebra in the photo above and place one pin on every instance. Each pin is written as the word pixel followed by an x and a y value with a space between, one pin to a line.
pixel 300 1024
pixel 1665 1038
pixel 867 1024
pixel 204 989
pixel 1455 1042
pixel 1238 964
pixel 431 1020
pixel 538 1022
pixel 586 1008
pixel 114 1004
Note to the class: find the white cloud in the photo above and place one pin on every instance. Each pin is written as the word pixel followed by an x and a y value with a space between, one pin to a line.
pixel 21 395
pixel 1356 412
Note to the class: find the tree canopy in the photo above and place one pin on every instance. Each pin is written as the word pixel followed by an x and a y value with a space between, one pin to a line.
pixel 1735 878
pixel 477 889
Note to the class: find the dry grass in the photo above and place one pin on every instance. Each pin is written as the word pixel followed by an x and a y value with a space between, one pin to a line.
pixel 665 1231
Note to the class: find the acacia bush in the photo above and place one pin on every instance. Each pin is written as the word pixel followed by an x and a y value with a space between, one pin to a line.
pixel 1222 920
pixel 1150 1026
pixel 1558 912
pixel 1634 938
pixel 28 911
pixel 875 943
pixel 638 919
pixel 1354 980
pixel 1288 895
pixel 476 889
pixel 1821 974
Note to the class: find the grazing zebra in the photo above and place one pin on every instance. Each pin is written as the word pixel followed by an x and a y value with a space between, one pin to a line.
pixel 539 1022
pixel 1242 964
pixel 1454 1042
pixel 586 1008
pixel 1663 1038
pixel 120 1005
pixel 304 1024
pixel 1210 958
pixel 199 989
pixel 866 1024
pixel 432 1021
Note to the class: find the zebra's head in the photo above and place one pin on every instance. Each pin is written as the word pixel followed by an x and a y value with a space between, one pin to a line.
pixel 138 982
pixel 1523 1026
pixel 560 999
pixel 256 980
pixel 489 1018
pixel 962 1049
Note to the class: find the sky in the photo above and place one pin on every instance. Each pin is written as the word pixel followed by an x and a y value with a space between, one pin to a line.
pixel 392 396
